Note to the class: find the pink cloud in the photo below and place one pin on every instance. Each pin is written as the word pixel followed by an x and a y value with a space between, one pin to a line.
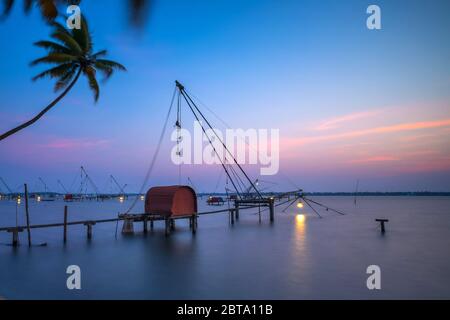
pixel 74 143
pixel 378 130
pixel 375 159
pixel 336 122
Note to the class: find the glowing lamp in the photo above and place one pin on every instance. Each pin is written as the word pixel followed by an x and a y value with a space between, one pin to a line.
pixel 299 205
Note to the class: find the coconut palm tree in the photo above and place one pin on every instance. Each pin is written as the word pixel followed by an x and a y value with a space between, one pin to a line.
pixel 72 54
pixel 48 8
pixel 138 9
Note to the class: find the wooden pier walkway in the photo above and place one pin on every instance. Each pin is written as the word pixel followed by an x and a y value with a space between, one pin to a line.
pixel 128 222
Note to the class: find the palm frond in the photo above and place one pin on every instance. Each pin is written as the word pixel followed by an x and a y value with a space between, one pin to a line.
pixel 64 81
pixel 48 9
pixel 59 27
pixel 27 5
pixel 54 58
pixel 112 64
pixel 83 36
pixel 71 52
pixel 55 72
pixel 99 54
pixel 107 68
pixel 52 46
pixel 93 84
pixel 138 11
pixel 7 7
pixel 69 41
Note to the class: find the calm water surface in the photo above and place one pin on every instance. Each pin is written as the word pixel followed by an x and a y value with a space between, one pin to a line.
pixel 294 258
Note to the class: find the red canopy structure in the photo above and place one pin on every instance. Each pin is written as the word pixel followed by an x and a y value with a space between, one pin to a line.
pixel 171 201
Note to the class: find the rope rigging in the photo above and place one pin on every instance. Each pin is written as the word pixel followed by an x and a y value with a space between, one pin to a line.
pixel 193 106
pixel 155 155
pixel 235 174
pixel 181 88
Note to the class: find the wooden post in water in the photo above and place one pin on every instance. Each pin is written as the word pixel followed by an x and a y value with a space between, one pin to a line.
pixel 128 225
pixel 236 211
pixel 89 231
pixel 232 216
pixel 382 221
pixel 15 235
pixel 144 221
pixel 271 209
pixel 27 215
pixel 89 225
pixel 15 241
pixel 167 226
pixel 194 224
pixel 65 224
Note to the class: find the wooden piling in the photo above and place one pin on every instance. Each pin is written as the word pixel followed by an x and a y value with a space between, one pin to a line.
pixel 236 211
pixel 194 224
pixel 144 221
pixel 128 225
pixel 167 226
pixel 271 209
pixel 232 216
pixel 27 215
pixel 15 235
pixel 89 225
pixel 15 239
pixel 129 218
pixel 65 224
pixel 382 221
pixel 172 225
pixel 89 231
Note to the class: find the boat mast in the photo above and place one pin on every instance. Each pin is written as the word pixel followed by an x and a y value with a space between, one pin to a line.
pixel 194 109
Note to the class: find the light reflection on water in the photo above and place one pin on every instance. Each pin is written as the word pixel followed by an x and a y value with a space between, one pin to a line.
pixel 299 256
pixel 300 225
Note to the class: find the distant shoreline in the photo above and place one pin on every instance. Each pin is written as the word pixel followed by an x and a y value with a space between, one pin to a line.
pixel 359 194
pixel 371 194
pixel 345 194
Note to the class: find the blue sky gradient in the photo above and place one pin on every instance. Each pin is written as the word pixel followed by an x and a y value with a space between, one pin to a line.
pixel 292 65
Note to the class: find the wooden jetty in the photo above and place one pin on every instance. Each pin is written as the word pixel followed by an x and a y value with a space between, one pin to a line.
pixel 128 222
pixel 171 203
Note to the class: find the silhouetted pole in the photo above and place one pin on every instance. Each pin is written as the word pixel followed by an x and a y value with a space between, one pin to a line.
pixel 382 221
pixel 27 215
pixel 144 221
pixel 65 224
pixel 271 209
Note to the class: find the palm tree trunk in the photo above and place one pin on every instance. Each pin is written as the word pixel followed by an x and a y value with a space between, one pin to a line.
pixel 44 111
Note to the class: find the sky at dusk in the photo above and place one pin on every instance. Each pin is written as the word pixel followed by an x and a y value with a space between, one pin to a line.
pixel 350 103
